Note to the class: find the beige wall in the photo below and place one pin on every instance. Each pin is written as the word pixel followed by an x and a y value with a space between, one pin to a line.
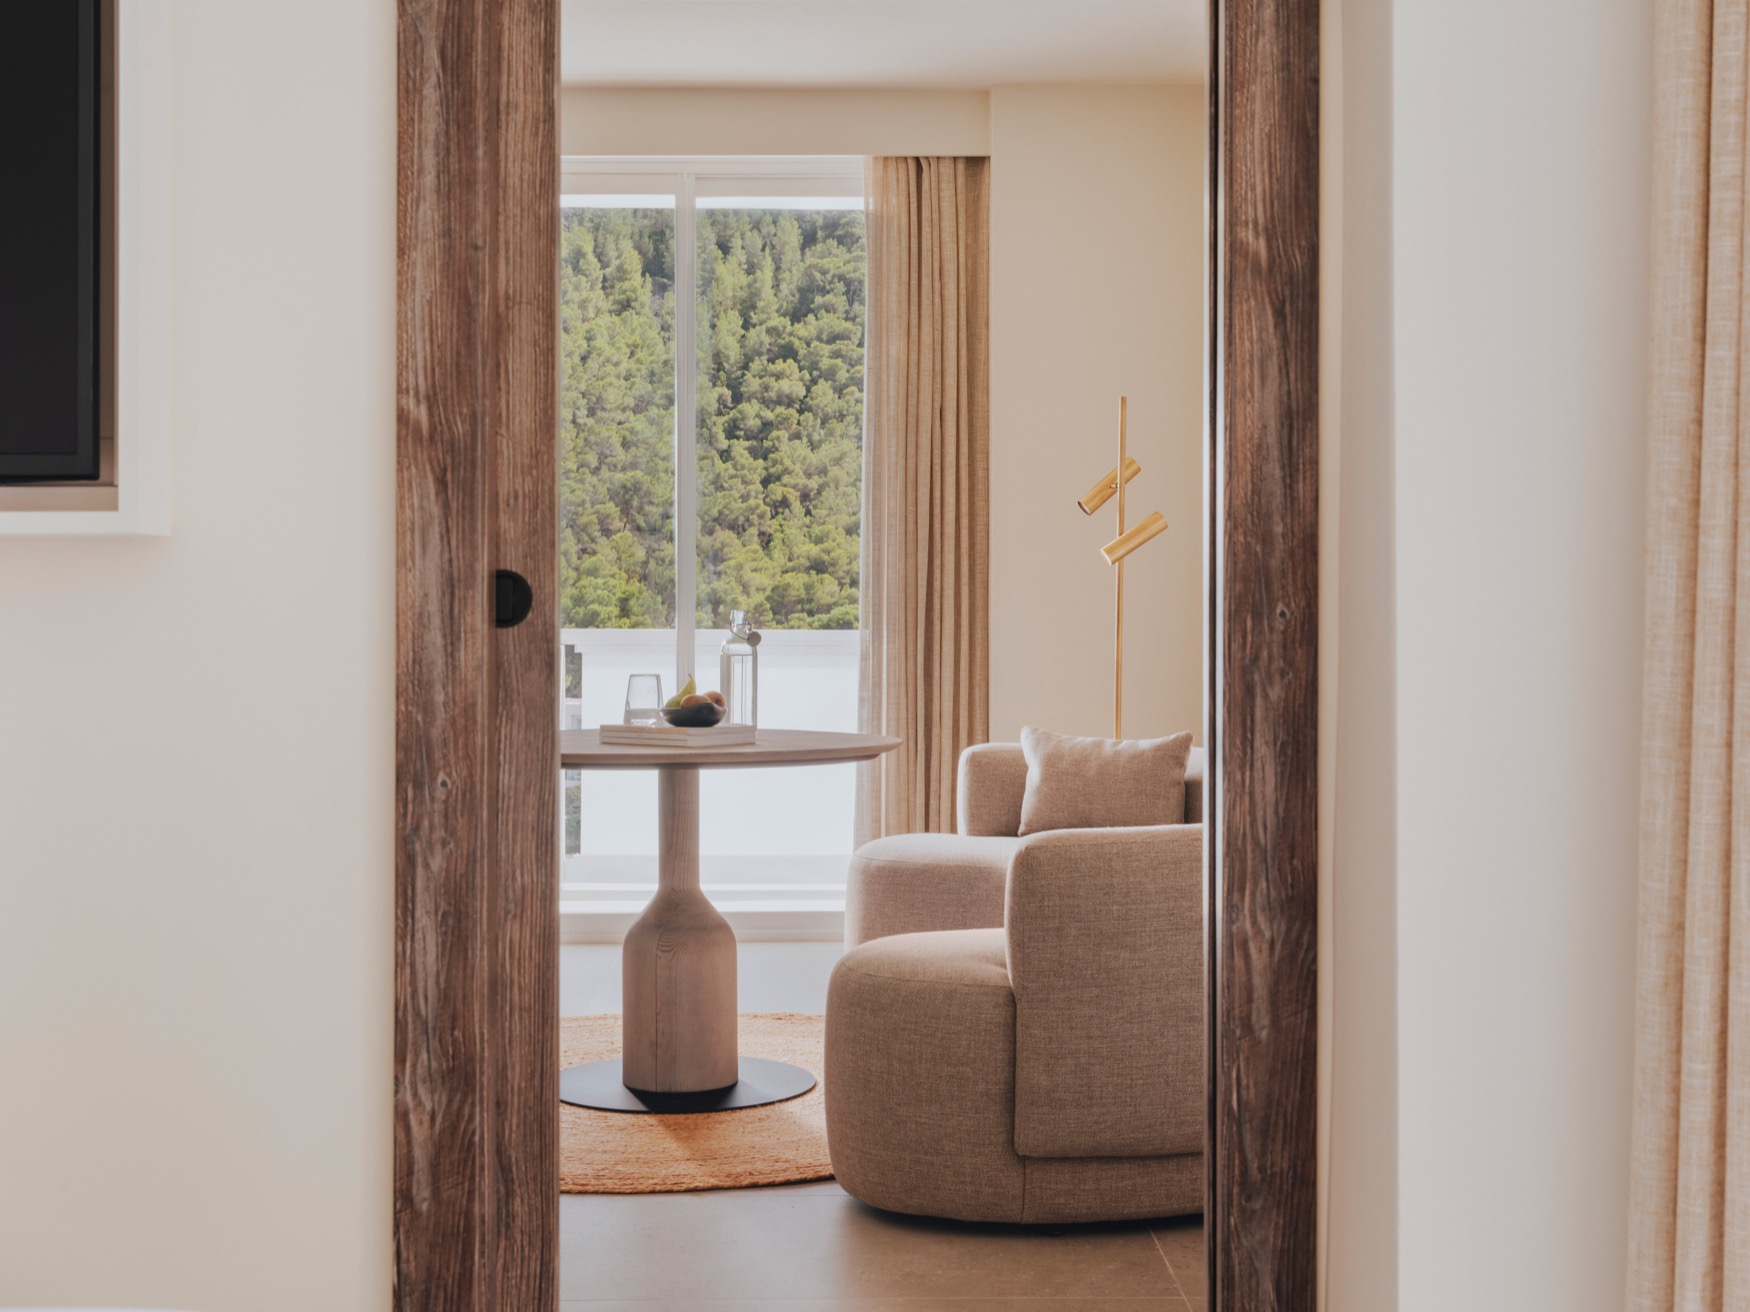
pixel 686 121
pixel 196 738
pixel 1494 288
pixel 1097 256
pixel 1357 679
pixel 1521 243
pixel 1097 248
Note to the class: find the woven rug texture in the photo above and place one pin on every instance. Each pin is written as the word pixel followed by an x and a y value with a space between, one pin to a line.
pixel 631 1153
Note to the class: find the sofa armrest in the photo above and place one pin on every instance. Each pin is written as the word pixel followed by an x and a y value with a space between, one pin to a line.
pixel 993 779
pixel 1194 771
pixel 1105 952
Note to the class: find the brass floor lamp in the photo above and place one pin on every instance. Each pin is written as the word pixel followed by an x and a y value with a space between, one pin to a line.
pixel 1127 541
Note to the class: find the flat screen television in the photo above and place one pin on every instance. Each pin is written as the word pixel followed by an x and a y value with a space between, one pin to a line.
pixel 50 59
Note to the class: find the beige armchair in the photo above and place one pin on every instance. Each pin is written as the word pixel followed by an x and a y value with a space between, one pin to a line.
pixel 1016 1033
pixel 911 882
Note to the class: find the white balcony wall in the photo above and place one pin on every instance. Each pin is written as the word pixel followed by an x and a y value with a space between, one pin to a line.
pixel 780 826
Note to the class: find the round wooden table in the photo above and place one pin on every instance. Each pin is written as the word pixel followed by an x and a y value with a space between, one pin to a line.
pixel 678 1048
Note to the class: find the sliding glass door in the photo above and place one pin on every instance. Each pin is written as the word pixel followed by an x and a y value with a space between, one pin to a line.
pixel 711 458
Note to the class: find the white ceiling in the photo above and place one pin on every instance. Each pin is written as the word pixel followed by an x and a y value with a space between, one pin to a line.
pixel 880 43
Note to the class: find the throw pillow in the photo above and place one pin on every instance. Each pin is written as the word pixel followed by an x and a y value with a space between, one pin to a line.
pixel 1100 783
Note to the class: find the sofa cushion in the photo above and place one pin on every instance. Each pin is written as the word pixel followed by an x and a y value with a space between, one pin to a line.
pixel 1100 783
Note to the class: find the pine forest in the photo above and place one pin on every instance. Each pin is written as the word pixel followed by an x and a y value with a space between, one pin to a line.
pixel 779 377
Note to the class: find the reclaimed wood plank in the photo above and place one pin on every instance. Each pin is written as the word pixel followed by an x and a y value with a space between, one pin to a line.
pixel 1263 783
pixel 476 1032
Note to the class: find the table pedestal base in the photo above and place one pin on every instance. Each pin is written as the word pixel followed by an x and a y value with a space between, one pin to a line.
pixel 678 963
pixel 598 1085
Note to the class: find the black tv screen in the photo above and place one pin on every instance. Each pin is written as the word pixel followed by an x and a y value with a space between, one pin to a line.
pixel 49 121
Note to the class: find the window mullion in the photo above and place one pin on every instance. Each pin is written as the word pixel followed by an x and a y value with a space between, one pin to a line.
pixel 686 405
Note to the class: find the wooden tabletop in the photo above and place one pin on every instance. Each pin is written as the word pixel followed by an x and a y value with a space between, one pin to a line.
pixel 583 749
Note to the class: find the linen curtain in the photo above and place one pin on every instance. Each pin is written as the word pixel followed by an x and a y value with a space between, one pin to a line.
pixel 926 501
pixel 1690 1178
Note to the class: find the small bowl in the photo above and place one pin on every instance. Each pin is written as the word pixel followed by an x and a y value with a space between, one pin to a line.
pixel 702 716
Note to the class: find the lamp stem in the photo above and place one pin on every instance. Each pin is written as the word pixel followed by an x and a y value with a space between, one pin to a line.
pixel 1118 643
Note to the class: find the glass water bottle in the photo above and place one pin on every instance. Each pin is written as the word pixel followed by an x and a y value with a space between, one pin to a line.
pixel 740 672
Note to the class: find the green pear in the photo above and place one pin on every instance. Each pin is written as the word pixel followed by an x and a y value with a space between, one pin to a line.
pixel 690 690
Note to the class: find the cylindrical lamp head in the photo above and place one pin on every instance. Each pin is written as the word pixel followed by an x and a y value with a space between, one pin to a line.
pixel 1107 487
pixel 1120 547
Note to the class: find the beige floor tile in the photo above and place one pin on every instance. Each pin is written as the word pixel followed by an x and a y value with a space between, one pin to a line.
pixel 1181 1243
pixel 809 1187
pixel 769 977
pixel 763 1245
pixel 589 979
pixel 769 1190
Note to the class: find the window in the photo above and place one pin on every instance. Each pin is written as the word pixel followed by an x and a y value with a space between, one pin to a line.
pixel 711 415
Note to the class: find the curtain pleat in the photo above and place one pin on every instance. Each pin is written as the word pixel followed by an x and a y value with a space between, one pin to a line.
pixel 926 514
pixel 1690 1176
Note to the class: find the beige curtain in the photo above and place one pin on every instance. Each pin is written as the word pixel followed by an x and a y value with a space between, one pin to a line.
pixel 1690 1225
pixel 926 514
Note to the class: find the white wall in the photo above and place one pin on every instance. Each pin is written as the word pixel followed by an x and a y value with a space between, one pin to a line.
pixel 1097 259
pixel 1097 254
pixel 1502 450
pixel 196 755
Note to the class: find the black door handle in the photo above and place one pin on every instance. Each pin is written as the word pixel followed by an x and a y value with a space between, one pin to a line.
pixel 513 600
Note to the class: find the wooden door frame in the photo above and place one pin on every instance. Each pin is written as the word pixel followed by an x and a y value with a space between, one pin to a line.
pixel 476 1175
pixel 476 722
pixel 1261 895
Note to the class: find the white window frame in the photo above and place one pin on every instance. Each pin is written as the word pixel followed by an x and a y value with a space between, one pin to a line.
pixel 679 183
pixel 788 898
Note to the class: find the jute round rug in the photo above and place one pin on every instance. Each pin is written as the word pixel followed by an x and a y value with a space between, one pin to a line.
pixel 625 1153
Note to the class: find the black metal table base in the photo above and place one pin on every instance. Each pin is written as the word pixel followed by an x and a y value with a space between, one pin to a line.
pixel 597 1085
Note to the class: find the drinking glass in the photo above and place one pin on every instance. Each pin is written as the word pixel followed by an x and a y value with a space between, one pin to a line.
pixel 643 699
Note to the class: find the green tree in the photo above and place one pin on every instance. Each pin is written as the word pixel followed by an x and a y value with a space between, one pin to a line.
pixel 616 416
pixel 780 416
pixel 779 375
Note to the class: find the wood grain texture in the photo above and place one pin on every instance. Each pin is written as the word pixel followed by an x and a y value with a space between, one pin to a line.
pixel 678 963
pixel 1263 781
pixel 476 964
pixel 583 749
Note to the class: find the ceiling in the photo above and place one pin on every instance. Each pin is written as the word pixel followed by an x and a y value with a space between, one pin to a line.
pixel 880 43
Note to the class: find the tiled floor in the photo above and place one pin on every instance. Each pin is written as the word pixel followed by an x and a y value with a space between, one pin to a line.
pixel 811 1247
pixel 772 977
